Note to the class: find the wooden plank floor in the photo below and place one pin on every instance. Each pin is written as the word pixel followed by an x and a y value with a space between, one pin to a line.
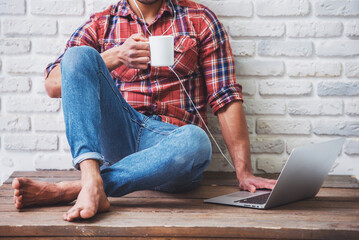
pixel 332 214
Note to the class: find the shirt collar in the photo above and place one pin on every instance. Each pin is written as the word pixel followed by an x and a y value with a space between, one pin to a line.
pixel 124 9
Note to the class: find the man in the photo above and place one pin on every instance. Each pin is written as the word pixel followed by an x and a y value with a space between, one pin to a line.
pixel 129 125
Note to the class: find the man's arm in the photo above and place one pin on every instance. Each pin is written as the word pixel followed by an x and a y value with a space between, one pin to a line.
pixel 134 53
pixel 235 134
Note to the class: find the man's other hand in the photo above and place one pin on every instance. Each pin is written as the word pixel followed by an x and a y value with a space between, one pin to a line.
pixel 133 53
pixel 251 183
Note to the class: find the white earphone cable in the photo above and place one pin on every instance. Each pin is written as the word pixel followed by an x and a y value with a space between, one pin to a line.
pixel 199 115
pixel 179 79
pixel 144 22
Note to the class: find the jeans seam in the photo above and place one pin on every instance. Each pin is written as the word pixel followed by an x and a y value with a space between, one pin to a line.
pixel 158 132
pixel 127 110
pixel 142 126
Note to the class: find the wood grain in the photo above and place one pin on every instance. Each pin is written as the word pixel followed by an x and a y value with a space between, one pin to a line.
pixel 332 214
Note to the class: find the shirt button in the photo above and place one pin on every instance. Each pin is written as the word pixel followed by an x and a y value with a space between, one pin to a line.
pixel 181 47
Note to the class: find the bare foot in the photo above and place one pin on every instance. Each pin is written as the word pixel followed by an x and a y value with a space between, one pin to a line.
pixel 91 200
pixel 28 192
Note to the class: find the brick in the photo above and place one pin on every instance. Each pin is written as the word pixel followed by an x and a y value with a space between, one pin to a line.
pixel 251 124
pixel 243 48
pixel 344 48
pixel 64 144
pixel 314 69
pixel 351 147
pixel 43 27
pixel 336 127
pixel 7 162
pixel 270 164
pixel 264 107
pixel 32 104
pixel 249 87
pixel 14 7
pixel 30 142
pixel 285 48
pixel 275 8
pixel 213 125
pixel 343 8
pixel 15 84
pixel 68 26
pixel 229 8
pixel 27 65
pixel 259 68
pixel 46 123
pixel 315 107
pixel 14 123
pixel 49 46
pixel 314 29
pixel 261 145
pixel 39 85
pixel 285 88
pixel 285 127
pixel 352 29
pixel 219 163
pixel 53 162
pixel 352 108
pixel 100 5
pixel 256 29
pixel 56 7
pixel 14 45
pixel 339 88
pixel 220 143
pixel 352 69
pixel 300 142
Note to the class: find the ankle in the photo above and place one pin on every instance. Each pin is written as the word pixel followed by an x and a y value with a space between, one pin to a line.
pixel 68 191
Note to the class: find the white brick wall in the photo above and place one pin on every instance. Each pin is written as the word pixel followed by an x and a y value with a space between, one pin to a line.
pixel 296 59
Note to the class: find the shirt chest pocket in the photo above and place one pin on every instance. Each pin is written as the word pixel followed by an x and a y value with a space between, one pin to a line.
pixel 186 55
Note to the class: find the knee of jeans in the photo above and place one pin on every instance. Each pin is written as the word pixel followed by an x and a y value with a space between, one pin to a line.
pixel 77 58
pixel 198 142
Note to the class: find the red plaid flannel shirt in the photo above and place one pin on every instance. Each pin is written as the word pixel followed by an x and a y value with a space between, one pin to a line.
pixel 203 60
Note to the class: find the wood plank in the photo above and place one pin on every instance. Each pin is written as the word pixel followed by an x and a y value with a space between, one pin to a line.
pixel 204 192
pixel 209 178
pixel 230 179
pixel 332 214
pixel 183 205
pixel 164 224
pixel 128 238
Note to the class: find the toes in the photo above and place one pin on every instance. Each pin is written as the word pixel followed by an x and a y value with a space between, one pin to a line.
pixel 15 183
pixel 17 192
pixel 87 213
pixel 18 202
pixel 73 214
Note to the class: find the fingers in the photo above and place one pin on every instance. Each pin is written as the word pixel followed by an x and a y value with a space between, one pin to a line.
pixel 252 188
pixel 139 54
pixel 253 183
pixel 139 37
pixel 142 46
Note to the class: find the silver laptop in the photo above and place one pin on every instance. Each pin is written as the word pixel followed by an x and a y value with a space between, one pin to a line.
pixel 301 178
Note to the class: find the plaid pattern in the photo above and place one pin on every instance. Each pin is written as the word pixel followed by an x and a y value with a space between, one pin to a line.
pixel 203 60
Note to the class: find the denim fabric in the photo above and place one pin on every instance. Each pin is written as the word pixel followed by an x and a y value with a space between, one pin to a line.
pixel 136 152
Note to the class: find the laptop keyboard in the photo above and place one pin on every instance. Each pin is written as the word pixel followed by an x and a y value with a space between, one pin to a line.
pixel 260 199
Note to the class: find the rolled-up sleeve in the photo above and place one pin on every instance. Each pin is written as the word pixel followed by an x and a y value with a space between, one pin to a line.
pixel 86 35
pixel 217 63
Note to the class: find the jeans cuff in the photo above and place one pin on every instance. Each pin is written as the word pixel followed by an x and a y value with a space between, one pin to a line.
pixel 89 155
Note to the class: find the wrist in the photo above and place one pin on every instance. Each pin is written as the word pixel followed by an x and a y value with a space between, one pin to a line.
pixel 243 171
pixel 112 58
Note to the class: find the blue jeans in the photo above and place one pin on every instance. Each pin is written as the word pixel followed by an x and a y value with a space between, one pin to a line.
pixel 136 152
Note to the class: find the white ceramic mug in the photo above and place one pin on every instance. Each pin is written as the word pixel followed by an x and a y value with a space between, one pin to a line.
pixel 162 50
